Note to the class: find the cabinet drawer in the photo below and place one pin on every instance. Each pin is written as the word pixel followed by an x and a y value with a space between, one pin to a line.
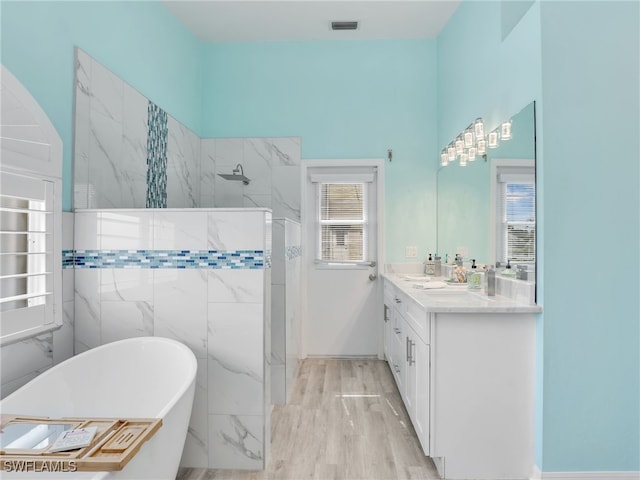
pixel 417 318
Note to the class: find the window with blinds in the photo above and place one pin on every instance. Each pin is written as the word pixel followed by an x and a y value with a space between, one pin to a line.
pixel 517 214
pixel 26 253
pixel 342 222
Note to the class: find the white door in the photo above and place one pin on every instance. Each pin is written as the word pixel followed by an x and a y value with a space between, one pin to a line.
pixel 342 226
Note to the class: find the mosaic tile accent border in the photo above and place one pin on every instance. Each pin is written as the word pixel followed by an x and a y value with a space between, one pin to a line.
pixel 68 258
pixel 180 259
pixel 156 157
pixel 293 251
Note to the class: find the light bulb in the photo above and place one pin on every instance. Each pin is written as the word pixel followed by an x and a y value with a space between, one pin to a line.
pixel 505 130
pixel 482 147
pixel 472 153
pixel 478 128
pixel 459 145
pixel 444 158
pixel 493 139
pixel 468 138
pixel 451 153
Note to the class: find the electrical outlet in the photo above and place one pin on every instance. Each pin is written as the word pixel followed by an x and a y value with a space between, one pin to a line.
pixel 411 252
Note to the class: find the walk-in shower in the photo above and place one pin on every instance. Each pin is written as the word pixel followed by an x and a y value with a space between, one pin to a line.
pixel 238 174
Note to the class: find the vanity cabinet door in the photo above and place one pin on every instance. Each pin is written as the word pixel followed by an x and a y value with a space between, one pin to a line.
pixel 418 375
pixel 398 367
pixel 388 335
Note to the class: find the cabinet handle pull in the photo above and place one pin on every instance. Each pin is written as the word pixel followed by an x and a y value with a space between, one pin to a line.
pixel 412 359
pixel 407 347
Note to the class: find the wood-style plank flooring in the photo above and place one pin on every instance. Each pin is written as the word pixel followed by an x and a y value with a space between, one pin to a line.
pixel 345 421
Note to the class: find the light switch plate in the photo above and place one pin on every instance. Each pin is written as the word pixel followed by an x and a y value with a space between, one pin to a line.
pixel 411 252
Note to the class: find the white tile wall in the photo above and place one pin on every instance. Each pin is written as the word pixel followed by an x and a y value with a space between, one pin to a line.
pixel 235 441
pixel 183 166
pixel 219 313
pixel 235 368
pixel 126 230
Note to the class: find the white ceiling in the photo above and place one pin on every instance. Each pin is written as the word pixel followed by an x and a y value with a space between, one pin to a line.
pixel 269 20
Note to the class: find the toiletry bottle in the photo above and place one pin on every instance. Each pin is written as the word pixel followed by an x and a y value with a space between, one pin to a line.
pixel 437 266
pixel 446 259
pixel 508 271
pixel 521 272
pixel 490 282
pixel 459 272
pixel 474 277
pixel 429 266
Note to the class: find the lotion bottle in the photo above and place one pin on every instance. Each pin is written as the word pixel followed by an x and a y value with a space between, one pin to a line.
pixel 474 278
pixel 508 271
pixel 429 266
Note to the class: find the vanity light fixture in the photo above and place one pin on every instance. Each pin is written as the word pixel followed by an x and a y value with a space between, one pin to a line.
pixel 505 131
pixel 468 137
pixel 459 145
pixel 482 147
pixel 472 143
pixel 478 128
pixel 493 139
pixel 451 152
pixel 444 158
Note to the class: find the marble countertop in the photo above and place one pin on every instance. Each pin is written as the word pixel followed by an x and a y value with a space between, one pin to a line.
pixel 455 298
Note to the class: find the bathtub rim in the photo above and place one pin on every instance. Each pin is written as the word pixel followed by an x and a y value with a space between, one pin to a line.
pixel 189 378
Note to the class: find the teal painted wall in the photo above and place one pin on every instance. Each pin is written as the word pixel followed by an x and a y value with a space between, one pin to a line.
pixel 587 87
pixel 480 74
pixel 346 99
pixel 141 42
pixel 591 96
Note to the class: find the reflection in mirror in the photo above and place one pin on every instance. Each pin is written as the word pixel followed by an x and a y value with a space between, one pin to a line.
pixel 31 436
pixel 472 201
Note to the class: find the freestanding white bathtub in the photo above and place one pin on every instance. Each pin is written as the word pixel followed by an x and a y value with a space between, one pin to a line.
pixel 147 377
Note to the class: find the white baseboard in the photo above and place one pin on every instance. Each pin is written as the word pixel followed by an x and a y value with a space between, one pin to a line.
pixel 538 475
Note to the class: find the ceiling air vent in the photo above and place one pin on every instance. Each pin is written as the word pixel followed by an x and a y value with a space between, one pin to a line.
pixel 344 25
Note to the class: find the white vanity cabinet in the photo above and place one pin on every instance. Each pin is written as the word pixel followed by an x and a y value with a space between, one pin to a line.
pixel 466 374
pixel 416 388
pixel 407 351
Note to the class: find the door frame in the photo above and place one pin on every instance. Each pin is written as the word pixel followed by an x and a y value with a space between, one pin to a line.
pixel 379 163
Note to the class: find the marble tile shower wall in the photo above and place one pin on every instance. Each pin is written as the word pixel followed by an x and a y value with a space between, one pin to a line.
pixel 272 165
pixel 25 360
pixel 285 311
pixel 219 308
pixel 122 157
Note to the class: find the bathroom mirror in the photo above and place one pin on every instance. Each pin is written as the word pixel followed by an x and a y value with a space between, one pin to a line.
pixel 471 201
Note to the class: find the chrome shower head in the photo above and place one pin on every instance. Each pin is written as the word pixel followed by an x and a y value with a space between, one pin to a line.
pixel 238 174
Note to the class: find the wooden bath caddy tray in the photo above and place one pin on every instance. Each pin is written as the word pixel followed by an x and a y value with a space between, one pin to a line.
pixel 115 443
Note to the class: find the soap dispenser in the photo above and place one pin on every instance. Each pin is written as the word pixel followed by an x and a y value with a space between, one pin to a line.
pixel 429 266
pixel 474 278
pixel 508 271
pixel 459 272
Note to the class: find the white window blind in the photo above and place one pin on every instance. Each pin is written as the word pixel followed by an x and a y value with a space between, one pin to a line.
pixel 26 253
pixel 517 215
pixel 342 221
